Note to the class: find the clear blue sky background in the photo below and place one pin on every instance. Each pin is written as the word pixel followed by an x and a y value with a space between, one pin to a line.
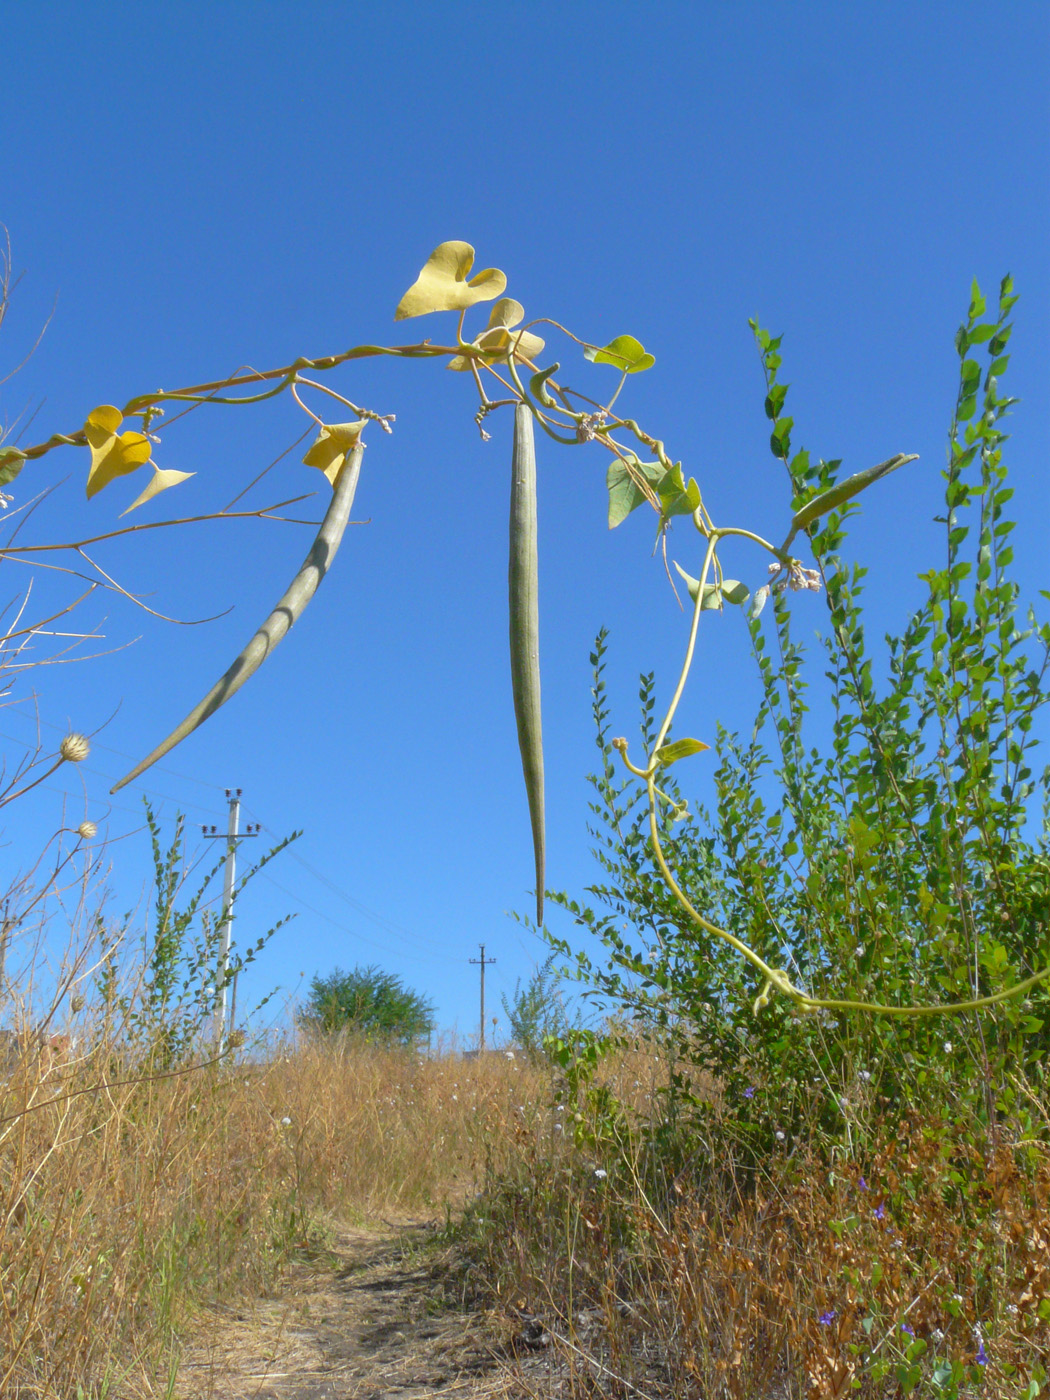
pixel 207 186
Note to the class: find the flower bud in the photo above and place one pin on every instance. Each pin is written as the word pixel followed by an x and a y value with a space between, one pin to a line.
pixel 74 748
pixel 87 831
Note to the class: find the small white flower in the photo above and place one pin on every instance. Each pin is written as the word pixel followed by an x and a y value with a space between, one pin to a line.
pixel 779 1136
pixel 557 1127
pixel 508 1054
pixel 601 1175
pixel 286 1122
pixel 864 1074
pixel 948 1047
pixel 937 1335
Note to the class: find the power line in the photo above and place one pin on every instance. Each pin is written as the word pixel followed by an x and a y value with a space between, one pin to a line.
pixel 369 942
pixel 385 924
pixel 160 768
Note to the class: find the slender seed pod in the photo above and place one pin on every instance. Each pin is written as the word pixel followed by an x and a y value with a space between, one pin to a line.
pixel 525 631
pixel 294 599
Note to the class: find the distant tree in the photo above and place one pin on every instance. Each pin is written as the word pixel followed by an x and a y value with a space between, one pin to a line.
pixel 367 1002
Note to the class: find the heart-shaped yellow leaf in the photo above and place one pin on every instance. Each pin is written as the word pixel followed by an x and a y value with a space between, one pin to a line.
pixel 498 340
pixel 112 455
pixel 160 481
pixel 329 448
pixel 442 284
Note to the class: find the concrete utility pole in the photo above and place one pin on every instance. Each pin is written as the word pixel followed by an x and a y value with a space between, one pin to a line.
pixel 482 962
pixel 228 891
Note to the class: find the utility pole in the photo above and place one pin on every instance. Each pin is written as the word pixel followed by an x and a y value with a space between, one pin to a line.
pixel 228 891
pixel 482 962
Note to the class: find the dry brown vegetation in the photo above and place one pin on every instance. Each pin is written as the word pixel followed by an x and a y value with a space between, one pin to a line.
pixel 610 1248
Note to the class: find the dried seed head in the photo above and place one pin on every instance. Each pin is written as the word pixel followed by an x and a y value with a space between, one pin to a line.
pixel 87 831
pixel 74 748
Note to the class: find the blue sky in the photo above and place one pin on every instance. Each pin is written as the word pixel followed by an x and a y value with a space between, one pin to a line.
pixel 200 187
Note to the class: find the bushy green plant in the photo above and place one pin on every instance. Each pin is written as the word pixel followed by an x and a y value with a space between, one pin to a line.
pixel 169 1007
pixel 892 861
pixel 367 1002
pixel 536 1011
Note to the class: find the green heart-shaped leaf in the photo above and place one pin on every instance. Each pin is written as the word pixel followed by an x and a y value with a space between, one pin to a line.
pixel 112 455
pixel 160 481
pixel 730 590
pixel 677 498
pixel 11 462
pixel 329 448
pixel 625 493
pixel 442 284
pixel 624 353
pixel 681 748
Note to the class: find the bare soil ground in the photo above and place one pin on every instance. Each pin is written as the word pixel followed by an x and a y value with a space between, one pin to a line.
pixel 374 1315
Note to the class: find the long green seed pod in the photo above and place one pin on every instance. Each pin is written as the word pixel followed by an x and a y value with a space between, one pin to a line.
pixel 294 599
pixel 525 631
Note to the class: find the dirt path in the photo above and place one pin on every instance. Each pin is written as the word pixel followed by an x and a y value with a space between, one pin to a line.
pixel 375 1317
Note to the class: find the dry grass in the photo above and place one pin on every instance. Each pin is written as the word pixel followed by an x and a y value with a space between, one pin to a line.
pixel 131 1201
pixel 126 1205
pixel 810 1276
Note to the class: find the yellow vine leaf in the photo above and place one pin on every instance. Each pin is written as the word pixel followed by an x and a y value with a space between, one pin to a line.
pixel 112 454
pixel 442 284
pixel 498 339
pixel 329 448
pixel 160 481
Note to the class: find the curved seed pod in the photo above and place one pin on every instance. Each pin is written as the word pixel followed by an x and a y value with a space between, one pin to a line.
pixel 525 631
pixel 295 598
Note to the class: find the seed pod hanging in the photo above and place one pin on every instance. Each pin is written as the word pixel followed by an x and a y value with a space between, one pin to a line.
pixel 294 599
pixel 525 631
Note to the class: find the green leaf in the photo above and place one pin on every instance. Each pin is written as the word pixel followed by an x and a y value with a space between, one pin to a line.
pixel 844 491
pixel 538 385
pixel 442 284
pixel 676 497
pixel 780 438
pixel 996 345
pixel 625 494
pixel 11 461
pixel 730 590
pixel 775 400
pixel 624 353
pixel 977 302
pixel 681 748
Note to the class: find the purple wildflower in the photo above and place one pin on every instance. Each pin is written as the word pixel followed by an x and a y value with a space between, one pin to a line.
pixel 826 1318
pixel 862 1184
pixel 982 1355
pixel 910 1330
pixel 749 1092
pixel 880 1212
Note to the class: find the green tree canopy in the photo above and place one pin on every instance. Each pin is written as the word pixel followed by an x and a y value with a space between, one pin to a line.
pixel 367 1002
